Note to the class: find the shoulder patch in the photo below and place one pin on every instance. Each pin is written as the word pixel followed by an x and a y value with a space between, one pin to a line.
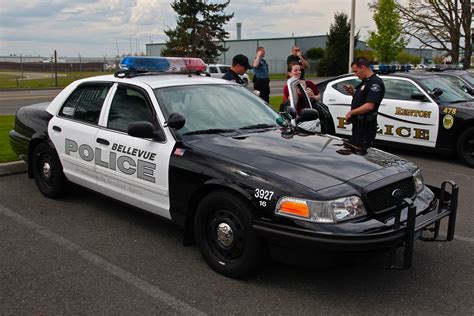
pixel 375 87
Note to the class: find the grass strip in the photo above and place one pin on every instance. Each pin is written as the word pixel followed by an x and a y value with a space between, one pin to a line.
pixel 6 125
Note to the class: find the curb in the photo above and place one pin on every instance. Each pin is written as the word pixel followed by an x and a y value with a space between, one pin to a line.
pixel 9 168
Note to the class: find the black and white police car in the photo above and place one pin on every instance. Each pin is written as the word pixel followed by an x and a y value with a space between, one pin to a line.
pixel 461 78
pixel 419 110
pixel 215 159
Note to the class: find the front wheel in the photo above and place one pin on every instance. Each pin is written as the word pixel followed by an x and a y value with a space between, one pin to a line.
pixel 48 173
pixel 224 234
pixel 465 147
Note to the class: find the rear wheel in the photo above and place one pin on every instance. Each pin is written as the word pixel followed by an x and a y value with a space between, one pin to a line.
pixel 224 234
pixel 48 173
pixel 465 147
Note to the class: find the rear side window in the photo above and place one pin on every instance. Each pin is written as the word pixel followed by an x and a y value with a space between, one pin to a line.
pixel 224 69
pixel 85 103
pixel 128 105
pixel 213 70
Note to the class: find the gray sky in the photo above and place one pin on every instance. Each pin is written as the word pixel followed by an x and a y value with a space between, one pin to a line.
pixel 91 27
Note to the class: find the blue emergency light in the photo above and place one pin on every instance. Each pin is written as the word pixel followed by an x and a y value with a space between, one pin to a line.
pixel 162 64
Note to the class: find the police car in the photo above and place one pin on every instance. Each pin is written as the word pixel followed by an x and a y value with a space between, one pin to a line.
pixel 419 110
pixel 215 159
pixel 461 78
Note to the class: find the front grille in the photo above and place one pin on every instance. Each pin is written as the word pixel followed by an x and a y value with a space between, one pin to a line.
pixel 380 200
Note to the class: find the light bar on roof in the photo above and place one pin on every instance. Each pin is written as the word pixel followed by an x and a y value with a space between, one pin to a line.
pixel 162 64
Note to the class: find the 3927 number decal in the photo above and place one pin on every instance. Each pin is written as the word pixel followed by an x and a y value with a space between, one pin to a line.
pixel 263 194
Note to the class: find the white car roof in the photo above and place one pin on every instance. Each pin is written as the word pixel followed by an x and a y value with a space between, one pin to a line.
pixel 154 81
pixel 162 80
pixel 218 65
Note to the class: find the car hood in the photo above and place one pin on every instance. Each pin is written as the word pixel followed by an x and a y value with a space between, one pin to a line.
pixel 310 160
pixel 469 105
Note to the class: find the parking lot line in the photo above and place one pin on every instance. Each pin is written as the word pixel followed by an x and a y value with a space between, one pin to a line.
pixel 100 262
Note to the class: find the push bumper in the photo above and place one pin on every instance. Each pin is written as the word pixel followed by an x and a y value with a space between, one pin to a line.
pixel 401 234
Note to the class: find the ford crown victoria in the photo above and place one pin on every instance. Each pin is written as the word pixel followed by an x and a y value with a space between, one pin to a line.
pixel 219 162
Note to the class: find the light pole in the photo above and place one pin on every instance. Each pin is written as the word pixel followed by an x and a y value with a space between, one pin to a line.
pixel 351 39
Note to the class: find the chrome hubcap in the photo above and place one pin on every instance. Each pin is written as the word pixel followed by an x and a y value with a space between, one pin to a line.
pixel 225 235
pixel 46 170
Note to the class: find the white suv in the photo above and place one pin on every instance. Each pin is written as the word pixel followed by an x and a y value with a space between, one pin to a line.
pixel 218 70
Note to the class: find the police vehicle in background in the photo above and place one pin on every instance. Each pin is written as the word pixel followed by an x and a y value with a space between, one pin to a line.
pixel 461 78
pixel 215 159
pixel 218 70
pixel 420 110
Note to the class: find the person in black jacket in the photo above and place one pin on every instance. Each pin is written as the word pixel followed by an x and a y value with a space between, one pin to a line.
pixel 366 99
pixel 240 64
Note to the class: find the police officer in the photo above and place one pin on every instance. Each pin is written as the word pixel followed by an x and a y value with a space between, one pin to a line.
pixel 261 79
pixel 365 104
pixel 240 64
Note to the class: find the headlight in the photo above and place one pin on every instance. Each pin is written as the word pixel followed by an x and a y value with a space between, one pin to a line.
pixel 321 211
pixel 419 182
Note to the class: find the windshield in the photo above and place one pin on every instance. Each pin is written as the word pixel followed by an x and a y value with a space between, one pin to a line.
pixel 451 93
pixel 469 78
pixel 216 108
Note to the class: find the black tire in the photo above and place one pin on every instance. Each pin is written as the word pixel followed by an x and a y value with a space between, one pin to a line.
pixel 246 82
pixel 465 147
pixel 224 234
pixel 48 172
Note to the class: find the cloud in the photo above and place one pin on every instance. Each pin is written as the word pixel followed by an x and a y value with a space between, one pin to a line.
pixel 95 27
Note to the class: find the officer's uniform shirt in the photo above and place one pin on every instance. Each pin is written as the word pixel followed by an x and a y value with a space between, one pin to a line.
pixel 372 90
pixel 232 76
pixel 364 127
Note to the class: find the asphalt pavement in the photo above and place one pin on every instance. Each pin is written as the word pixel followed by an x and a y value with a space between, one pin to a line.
pixel 86 254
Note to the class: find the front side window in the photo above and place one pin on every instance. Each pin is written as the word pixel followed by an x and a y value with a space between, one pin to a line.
pixel 455 81
pixel 208 107
pixel 128 105
pixel 85 103
pixel 399 89
pixel 469 78
pixel 213 70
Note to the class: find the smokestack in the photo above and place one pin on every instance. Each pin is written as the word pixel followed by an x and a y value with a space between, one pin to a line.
pixel 239 31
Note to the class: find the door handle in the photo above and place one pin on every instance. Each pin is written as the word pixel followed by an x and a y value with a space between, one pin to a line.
pixel 56 128
pixel 102 141
pixel 332 100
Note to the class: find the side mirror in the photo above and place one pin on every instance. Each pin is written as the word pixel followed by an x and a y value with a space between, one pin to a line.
pixel 308 115
pixel 144 129
pixel 291 111
pixel 418 96
pixel 467 89
pixel 437 92
pixel 176 121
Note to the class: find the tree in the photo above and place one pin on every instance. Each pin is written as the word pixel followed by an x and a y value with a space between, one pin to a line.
pixel 388 41
pixel 440 25
pixel 315 53
pixel 406 58
pixel 199 31
pixel 369 54
pixel 336 58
